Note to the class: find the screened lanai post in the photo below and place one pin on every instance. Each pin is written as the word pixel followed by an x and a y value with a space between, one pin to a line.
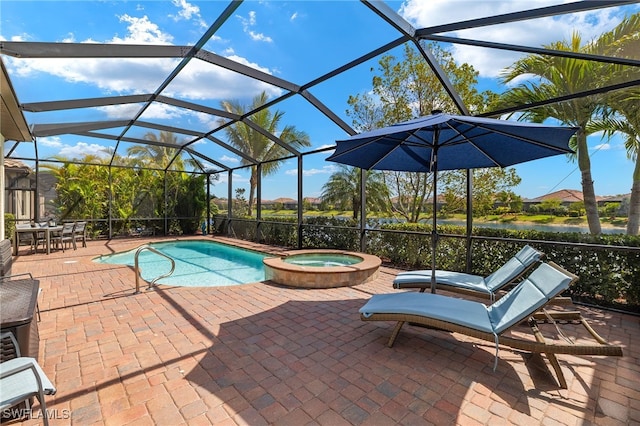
pixel 258 200
pixel 469 218
pixel 208 228
pixel 166 205
pixel 300 199
pixel 36 198
pixel 363 209
pixel 229 195
pixel 110 210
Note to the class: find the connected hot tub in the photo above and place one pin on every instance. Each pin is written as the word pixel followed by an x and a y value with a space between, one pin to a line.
pixel 321 268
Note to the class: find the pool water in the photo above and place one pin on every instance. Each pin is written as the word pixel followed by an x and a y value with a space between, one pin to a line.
pixel 198 263
pixel 322 259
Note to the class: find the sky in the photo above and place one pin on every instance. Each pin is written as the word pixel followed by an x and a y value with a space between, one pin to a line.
pixel 298 41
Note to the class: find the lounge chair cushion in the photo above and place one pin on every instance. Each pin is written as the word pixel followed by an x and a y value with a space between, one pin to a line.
pixel 489 285
pixel 544 283
pixel 458 279
pixel 514 267
pixel 458 311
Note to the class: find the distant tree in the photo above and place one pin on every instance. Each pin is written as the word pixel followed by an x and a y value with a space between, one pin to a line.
pixel 486 184
pixel 406 88
pixel 239 206
pixel 343 190
pixel 551 206
pixel 213 207
pixel 510 200
pixel 256 145
pixel 609 209
pixel 577 207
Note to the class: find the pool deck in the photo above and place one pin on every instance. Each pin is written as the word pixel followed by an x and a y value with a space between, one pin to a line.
pixel 259 354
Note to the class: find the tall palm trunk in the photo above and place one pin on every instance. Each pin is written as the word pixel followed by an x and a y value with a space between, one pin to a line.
pixel 588 192
pixel 253 184
pixel 634 203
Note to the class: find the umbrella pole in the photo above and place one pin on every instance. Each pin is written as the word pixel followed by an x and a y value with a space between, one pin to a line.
pixel 434 230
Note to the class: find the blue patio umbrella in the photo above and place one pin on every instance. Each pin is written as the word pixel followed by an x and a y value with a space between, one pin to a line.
pixel 450 142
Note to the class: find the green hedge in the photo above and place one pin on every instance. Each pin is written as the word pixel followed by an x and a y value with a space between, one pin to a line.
pixel 608 277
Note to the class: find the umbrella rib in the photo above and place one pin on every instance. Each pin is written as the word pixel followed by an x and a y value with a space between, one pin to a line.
pixel 489 130
pixel 369 142
pixel 404 141
pixel 524 139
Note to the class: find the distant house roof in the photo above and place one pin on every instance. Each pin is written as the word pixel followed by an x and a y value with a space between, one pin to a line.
pixel 564 195
pixel 572 196
pixel 10 163
pixel 615 198
pixel 284 200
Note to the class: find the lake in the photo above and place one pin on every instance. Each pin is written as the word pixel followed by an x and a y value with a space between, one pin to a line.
pixel 584 229
pixel 534 226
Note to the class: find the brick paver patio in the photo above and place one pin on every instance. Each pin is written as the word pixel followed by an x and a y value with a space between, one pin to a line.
pixel 261 354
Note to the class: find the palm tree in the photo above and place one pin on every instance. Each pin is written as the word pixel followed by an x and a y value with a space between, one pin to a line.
pixel 256 145
pixel 626 121
pixel 556 76
pixel 622 106
pixel 179 186
pixel 158 156
pixel 343 189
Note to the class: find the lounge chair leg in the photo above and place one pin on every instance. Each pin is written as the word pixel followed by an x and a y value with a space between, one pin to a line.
pixel 556 366
pixel 550 356
pixel 396 330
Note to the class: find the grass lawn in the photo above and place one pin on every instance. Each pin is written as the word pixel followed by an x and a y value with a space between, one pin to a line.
pixel 541 219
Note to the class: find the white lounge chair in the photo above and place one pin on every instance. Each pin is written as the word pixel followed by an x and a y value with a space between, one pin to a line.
pixel 476 319
pixel 21 379
pixel 513 269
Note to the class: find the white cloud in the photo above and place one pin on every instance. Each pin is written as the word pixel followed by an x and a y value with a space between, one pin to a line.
pixel 188 12
pixel 248 23
pixel 226 159
pixel 142 31
pixel 534 33
pixel 326 170
pixel 51 142
pixel 228 84
pixel 80 149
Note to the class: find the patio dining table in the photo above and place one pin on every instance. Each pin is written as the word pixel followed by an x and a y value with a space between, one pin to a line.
pixel 48 230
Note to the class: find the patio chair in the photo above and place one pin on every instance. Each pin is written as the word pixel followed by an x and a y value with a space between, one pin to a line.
pixel 26 238
pixel 21 379
pixel 478 320
pixel 475 285
pixel 80 233
pixel 65 236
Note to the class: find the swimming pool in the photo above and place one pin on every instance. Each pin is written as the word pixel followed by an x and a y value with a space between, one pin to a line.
pixel 198 263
